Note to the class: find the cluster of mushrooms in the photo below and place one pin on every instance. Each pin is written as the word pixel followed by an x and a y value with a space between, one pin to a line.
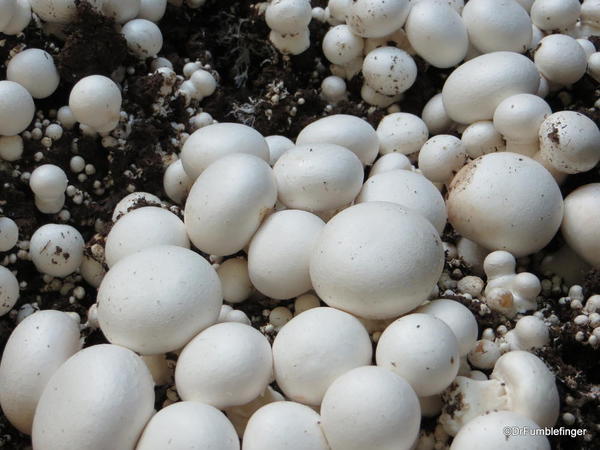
pixel 346 220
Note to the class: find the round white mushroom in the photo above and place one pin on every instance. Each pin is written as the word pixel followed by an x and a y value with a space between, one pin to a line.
pixel 56 250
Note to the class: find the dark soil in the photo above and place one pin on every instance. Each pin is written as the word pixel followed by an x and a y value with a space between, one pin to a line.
pixel 228 35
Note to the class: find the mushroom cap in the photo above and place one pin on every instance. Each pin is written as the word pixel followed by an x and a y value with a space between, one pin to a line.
pixel 157 299
pixel 56 250
pixel 437 33
pixel 496 430
pixel 9 290
pixel 410 190
pixel 143 228
pixel 293 44
pixel 551 15
pixel 376 18
pixel 389 70
pixel 48 181
pixel 129 202
pixel 435 116
pixel 581 224
pixel 441 157
pixel 143 37
pixel 315 348
pixel 228 364
pixel 474 90
pixel 34 69
pixel 376 260
pixel 497 25
pixel 341 46
pixel 121 10
pixel 423 350
pixel 7 10
pixel 209 143
pixel 96 102
pixel 189 425
pixel 318 177
pixel 19 20
pixel 103 393
pixel 288 16
pixel 284 425
pixel 351 132
pixel 58 11
pixel 9 234
pixel 518 117
pixel 176 182
pixel 401 132
pixel 530 386
pixel 481 138
pixel 228 202
pixel 570 142
pixel 389 162
pixel 458 318
pixel 34 351
pixel 370 407
pixel 16 108
pixel 279 253
pixel 278 145
pixel 505 201
pixel 560 59
pixel 235 280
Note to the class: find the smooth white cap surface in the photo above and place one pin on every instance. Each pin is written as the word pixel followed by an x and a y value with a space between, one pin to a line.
pixel 34 69
pixel 56 250
pixel 16 108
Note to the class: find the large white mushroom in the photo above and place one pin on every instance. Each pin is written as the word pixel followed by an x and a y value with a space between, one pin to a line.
pixel 581 224
pixel 505 201
pixel 315 348
pixel 376 260
pixel 156 300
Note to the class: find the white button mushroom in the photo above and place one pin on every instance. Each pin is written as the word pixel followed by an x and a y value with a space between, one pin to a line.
pixel 204 82
pixel 34 351
pixel 314 349
pixel 58 11
pixel 580 226
pixel 389 70
pixel 518 119
pixel 408 189
pixel 435 116
pixel 239 415
pixel 505 201
pixel 7 9
pixel 189 425
pixel 474 90
pixel 501 430
pixel 376 260
pixel 372 97
pixel 376 18
pixel 481 138
pixel 176 182
pixel 293 44
pixel 212 142
pixel 143 37
pixel 389 162
pixel 288 16
pixel 131 201
pixel 48 184
pixel 19 20
pixel 9 234
pixel 278 145
pixel 279 253
pixel 529 333
pixel 423 350
pixel 401 132
pixel 228 364
pixel 458 318
pixel 143 228
pixel 235 280
pixel 549 15
pixel 284 425
pixel 56 250
pixel 121 10
pixel 370 407
pixel 228 202
pixel 34 69
pixel 96 102
pixel 102 394
pixel 497 25
pixel 520 382
pixel 341 46
pixel 570 142
pixel 560 59
pixel 306 302
pixel 152 10
pixel 9 290
pixel 11 148
pixel 318 177
pixel 170 294
pixel 484 354
pixel 437 33
pixel 441 157
pixel 347 131
pixel 16 108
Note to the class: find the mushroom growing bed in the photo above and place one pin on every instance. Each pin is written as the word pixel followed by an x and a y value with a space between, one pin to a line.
pixel 298 225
